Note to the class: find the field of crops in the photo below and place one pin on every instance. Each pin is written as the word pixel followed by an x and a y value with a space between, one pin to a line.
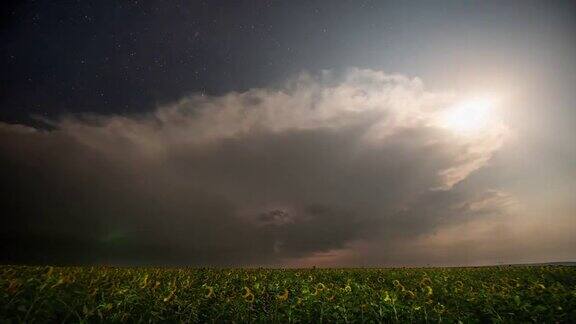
pixel 76 294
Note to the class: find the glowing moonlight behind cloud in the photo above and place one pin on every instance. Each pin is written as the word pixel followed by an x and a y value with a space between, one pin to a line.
pixel 469 116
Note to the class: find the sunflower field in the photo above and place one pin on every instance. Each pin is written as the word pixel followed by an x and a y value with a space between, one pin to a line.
pixel 114 294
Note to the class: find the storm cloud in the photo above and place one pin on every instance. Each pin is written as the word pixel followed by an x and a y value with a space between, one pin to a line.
pixel 347 168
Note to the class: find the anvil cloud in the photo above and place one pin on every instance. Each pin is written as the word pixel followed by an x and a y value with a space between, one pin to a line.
pixel 325 167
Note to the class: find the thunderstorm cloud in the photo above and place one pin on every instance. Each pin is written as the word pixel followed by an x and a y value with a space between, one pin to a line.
pixel 336 168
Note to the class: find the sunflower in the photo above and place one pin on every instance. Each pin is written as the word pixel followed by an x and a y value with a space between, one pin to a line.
pixel 248 295
pixel 144 281
pixel 397 284
pixel 14 286
pixel 284 296
pixel 439 308
pixel 210 292
pixel 425 281
pixel 58 283
pixel 170 296
pixel 386 297
pixel 347 288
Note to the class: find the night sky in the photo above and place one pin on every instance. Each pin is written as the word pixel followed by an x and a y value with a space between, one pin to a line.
pixel 129 56
pixel 287 133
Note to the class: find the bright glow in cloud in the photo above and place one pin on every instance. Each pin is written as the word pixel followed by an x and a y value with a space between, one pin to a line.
pixel 469 116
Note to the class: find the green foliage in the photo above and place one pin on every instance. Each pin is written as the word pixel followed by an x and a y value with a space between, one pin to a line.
pixel 96 294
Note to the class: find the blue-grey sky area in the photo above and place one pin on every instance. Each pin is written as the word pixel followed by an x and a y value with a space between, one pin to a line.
pixel 288 133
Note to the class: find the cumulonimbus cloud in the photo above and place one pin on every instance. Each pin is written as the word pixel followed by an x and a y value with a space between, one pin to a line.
pixel 255 177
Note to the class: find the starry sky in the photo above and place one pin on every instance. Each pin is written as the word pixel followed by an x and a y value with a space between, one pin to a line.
pixel 287 133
